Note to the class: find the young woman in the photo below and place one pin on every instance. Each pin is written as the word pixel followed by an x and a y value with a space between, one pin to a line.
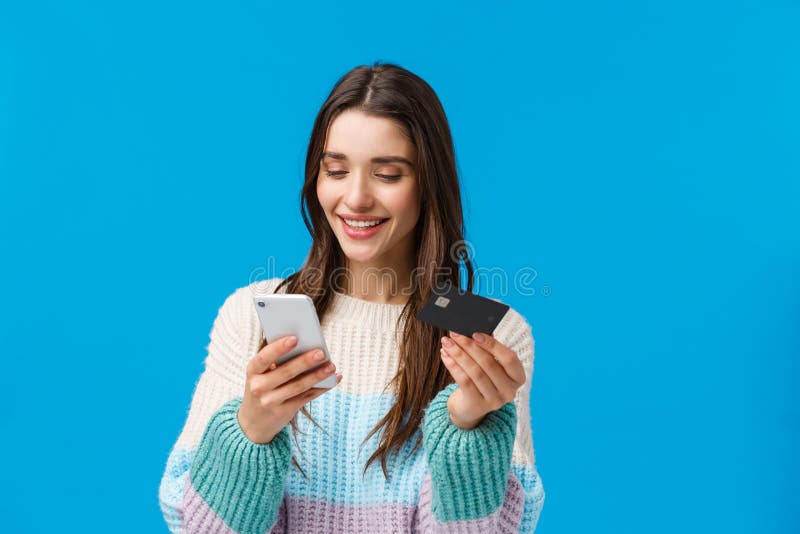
pixel 445 415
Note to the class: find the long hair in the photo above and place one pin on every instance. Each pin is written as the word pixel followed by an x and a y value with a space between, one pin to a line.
pixel 390 91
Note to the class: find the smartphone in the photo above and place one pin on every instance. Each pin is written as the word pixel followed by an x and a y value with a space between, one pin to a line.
pixel 292 314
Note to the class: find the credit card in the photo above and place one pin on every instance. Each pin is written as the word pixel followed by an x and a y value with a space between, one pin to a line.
pixel 452 308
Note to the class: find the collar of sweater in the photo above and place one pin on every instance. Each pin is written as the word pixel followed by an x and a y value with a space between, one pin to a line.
pixel 366 313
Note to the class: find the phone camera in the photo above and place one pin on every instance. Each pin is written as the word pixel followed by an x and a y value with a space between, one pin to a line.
pixel 261 304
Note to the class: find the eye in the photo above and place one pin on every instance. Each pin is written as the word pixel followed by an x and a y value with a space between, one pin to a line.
pixel 335 173
pixel 390 177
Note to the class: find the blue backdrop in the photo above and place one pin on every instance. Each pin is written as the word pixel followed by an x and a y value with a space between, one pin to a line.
pixel 641 157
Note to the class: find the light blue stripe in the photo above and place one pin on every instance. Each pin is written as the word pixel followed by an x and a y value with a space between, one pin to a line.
pixel 336 474
pixel 534 496
pixel 173 483
pixel 334 464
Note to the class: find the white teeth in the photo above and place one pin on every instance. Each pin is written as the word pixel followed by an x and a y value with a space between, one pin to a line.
pixel 362 224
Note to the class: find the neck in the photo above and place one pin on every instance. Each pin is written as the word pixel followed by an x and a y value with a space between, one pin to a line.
pixel 383 284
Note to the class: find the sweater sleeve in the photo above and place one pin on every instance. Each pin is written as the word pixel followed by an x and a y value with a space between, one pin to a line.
pixel 216 479
pixel 483 479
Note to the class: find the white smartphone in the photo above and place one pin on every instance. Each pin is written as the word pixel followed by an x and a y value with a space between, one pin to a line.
pixel 292 314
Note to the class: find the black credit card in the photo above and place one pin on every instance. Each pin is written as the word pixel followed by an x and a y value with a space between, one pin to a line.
pixel 452 308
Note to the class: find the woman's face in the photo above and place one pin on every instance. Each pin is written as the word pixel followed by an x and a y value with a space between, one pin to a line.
pixel 366 177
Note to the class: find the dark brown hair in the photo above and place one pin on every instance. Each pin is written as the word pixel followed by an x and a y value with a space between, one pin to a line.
pixel 390 91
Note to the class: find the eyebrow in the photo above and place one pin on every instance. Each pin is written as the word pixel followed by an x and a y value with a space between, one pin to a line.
pixel 382 159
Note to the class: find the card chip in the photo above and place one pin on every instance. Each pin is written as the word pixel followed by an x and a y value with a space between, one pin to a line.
pixel 442 302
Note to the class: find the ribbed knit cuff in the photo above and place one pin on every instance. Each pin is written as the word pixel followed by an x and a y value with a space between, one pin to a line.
pixel 469 468
pixel 240 480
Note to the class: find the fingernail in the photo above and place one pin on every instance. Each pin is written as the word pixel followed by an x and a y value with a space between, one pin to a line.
pixel 477 336
pixel 291 340
pixel 319 356
pixel 455 335
pixel 447 342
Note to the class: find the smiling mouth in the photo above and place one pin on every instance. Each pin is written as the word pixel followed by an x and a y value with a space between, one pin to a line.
pixel 361 225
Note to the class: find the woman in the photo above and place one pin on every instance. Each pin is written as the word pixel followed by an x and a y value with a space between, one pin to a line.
pixel 446 415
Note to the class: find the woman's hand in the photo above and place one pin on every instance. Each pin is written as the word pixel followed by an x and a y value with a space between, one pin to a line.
pixel 488 374
pixel 273 394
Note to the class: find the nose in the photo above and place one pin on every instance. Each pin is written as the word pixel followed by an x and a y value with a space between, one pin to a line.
pixel 358 196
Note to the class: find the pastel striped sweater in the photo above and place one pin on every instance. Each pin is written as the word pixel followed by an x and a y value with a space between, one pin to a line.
pixel 482 480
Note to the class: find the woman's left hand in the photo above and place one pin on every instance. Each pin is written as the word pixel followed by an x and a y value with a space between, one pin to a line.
pixel 488 374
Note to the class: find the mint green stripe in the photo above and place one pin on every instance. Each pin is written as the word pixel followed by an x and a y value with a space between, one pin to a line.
pixel 242 481
pixel 469 468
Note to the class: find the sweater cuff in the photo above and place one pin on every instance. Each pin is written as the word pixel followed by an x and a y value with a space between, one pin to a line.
pixel 240 480
pixel 469 468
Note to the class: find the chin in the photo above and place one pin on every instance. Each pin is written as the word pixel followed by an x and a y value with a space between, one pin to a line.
pixel 359 255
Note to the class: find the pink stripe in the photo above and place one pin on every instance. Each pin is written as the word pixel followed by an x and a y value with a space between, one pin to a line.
pixel 311 515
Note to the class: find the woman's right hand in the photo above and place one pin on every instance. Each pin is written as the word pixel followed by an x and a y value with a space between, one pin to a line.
pixel 273 395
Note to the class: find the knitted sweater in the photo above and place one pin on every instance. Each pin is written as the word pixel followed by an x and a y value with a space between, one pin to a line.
pixel 216 480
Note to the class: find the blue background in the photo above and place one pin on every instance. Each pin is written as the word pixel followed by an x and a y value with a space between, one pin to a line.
pixel 641 157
